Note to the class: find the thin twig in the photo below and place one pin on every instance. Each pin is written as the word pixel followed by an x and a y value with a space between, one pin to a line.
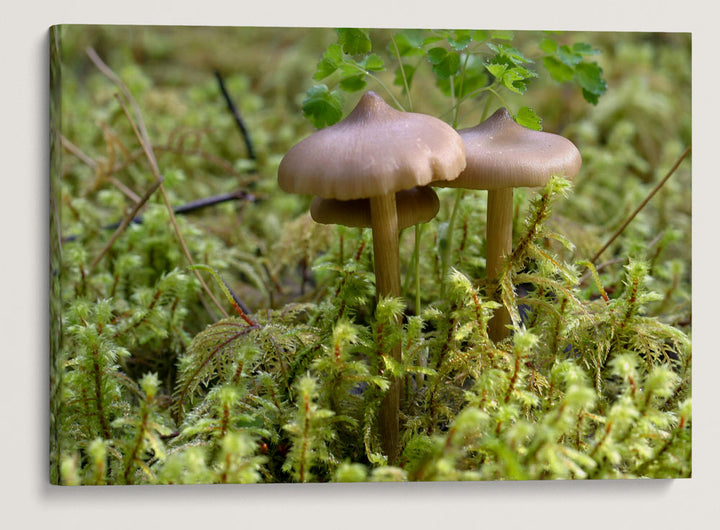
pixel 603 265
pixel 238 119
pixel 642 205
pixel 185 208
pixel 74 149
pixel 215 199
pixel 138 126
pixel 125 222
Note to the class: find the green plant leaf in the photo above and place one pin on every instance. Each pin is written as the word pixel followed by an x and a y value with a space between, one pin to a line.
pixel 353 83
pixel 559 71
pixel 331 61
pixel 445 63
pixel 509 54
pixel 516 79
pixel 460 40
pixel 527 118
pixel 373 63
pixel 354 41
pixel 473 78
pixel 502 35
pixel 409 42
pixel 321 106
pixel 480 35
pixel 589 77
pixel 548 46
pixel 584 48
pixel 568 56
pixel 496 70
pixel 432 40
pixel 409 73
pixel 437 55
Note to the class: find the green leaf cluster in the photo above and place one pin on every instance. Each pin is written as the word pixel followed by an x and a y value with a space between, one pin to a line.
pixel 567 63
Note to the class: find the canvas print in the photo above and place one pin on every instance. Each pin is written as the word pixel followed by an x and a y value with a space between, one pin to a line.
pixel 292 255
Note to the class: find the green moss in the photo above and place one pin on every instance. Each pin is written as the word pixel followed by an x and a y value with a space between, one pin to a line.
pixel 282 380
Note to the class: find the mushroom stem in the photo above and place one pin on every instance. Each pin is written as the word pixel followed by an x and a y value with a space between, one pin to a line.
pixel 383 212
pixel 383 215
pixel 499 246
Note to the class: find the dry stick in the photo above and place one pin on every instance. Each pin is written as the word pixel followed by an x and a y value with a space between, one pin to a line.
pixel 138 127
pixel 187 208
pixel 74 149
pixel 141 133
pixel 642 205
pixel 125 222
pixel 236 114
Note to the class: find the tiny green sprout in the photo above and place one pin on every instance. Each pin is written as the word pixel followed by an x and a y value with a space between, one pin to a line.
pixel 568 373
pixel 389 309
pixel 686 410
pixel 149 385
pixel 350 472
pixel 524 341
pixel 97 449
pixel 661 382
pixel 388 474
pixel 580 397
pixel 625 365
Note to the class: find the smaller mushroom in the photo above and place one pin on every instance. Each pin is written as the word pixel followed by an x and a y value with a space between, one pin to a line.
pixel 414 206
pixel 502 155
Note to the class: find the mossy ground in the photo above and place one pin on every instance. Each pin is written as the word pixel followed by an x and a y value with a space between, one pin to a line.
pixel 155 383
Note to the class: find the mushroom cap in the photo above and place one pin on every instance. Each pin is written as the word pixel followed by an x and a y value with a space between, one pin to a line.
pixel 501 153
pixel 375 150
pixel 416 205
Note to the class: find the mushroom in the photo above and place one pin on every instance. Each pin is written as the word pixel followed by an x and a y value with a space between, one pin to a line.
pixel 414 206
pixel 373 153
pixel 502 155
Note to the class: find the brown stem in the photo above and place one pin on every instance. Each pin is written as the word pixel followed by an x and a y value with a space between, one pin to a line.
pixel 383 213
pixel 499 246
pixel 642 205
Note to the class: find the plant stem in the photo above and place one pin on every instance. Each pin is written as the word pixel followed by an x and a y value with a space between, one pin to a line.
pixel 447 250
pixel 416 253
pixel 402 72
pixel 379 82
pixel 642 205
pixel 499 246
pixel 383 213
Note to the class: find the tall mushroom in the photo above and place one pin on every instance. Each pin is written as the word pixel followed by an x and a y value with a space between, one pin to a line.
pixel 373 153
pixel 502 155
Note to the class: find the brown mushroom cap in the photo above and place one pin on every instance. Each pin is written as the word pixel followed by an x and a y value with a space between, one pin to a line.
pixel 375 150
pixel 416 205
pixel 503 154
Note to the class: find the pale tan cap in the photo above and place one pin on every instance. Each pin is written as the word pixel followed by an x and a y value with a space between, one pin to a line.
pixel 414 206
pixel 501 153
pixel 375 150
